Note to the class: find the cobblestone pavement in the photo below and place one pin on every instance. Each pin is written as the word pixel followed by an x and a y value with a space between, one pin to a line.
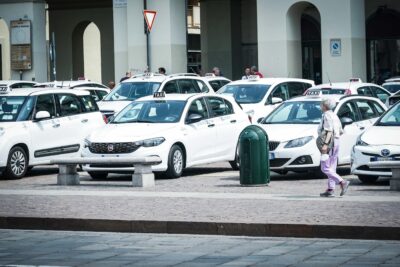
pixel 207 194
pixel 57 248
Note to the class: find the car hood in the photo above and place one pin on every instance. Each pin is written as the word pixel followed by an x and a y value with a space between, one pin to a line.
pixel 374 134
pixel 115 106
pixel 129 132
pixel 287 132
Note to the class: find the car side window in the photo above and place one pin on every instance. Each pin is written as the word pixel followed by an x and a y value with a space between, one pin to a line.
pixel 215 85
pixel 101 94
pixel 280 91
pixel 46 103
pixel 198 107
pixel 187 86
pixel 94 95
pixel 378 108
pixel 379 93
pixel 366 110
pixel 89 103
pixel 306 86
pixel 202 86
pixel 347 110
pixel 219 107
pixel 171 88
pixel 365 91
pixel 69 104
pixel 295 89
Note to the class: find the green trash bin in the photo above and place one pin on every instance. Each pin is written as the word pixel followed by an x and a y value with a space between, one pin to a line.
pixel 253 154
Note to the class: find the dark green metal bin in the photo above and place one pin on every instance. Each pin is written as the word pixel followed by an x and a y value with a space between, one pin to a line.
pixel 253 154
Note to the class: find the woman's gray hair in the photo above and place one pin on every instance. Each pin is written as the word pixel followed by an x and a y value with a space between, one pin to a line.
pixel 329 103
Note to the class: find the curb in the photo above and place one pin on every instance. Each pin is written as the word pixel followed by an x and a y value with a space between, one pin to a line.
pixel 203 228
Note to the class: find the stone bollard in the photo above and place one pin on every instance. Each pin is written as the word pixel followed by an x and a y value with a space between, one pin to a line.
pixel 67 175
pixel 143 176
pixel 395 180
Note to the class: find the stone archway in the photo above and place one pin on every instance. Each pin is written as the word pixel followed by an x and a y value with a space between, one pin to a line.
pixel 303 28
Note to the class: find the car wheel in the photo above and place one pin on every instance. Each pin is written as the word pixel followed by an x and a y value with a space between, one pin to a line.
pixel 176 162
pixel 368 179
pixel 98 175
pixel 17 164
pixel 235 164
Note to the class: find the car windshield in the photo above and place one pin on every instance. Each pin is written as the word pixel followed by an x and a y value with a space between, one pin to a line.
pixel 296 112
pixel 391 117
pixel 392 88
pixel 129 91
pixel 14 108
pixel 246 93
pixel 152 111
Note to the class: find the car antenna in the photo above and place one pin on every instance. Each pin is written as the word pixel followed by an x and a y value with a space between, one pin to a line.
pixel 330 83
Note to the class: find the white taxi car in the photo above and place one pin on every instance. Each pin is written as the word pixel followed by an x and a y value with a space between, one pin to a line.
pixel 381 142
pixel 259 96
pixel 354 86
pixel 37 125
pixel 146 84
pixel 6 86
pixel 183 129
pixel 292 129
pixel 71 84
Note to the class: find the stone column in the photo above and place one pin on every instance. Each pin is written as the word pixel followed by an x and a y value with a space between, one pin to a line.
pixel 120 39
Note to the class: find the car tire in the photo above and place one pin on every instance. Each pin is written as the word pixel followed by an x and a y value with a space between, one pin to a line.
pixel 235 164
pixel 368 179
pixel 176 162
pixel 17 164
pixel 98 175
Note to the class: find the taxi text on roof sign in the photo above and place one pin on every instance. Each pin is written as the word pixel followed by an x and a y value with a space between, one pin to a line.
pixel 159 94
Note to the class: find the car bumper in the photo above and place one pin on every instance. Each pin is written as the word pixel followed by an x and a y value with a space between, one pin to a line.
pixel 162 151
pixel 288 159
pixel 361 158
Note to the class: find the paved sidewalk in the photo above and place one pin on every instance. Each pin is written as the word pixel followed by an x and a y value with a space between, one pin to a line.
pixel 58 248
pixel 207 194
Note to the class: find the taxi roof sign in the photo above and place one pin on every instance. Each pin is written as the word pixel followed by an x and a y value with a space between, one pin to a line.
pixel 355 80
pixel 4 89
pixel 253 77
pixel 159 94
pixel 209 75
pixel 149 16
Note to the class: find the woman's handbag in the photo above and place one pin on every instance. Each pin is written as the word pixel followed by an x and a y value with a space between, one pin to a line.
pixel 321 141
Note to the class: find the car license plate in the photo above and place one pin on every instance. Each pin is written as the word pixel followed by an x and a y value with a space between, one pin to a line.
pixel 382 158
pixel 271 155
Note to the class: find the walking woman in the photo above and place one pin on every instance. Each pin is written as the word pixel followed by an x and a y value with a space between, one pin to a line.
pixel 329 132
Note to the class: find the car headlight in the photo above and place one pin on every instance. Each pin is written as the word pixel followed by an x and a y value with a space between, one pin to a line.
pixel 2 131
pixel 298 142
pixel 360 142
pixel 150 142
pixel 86 143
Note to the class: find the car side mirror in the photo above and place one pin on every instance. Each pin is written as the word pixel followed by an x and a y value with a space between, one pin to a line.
pixel 260 120
pixel 193 118
pixel 276 100
pixel 346 121
pixel 42 115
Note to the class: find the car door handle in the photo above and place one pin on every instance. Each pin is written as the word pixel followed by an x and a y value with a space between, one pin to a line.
pixel 84 120
pixel 233 121
pixel 211 125
pixel 56 125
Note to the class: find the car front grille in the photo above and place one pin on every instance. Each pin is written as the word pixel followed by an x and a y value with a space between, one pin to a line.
pixel 278 162
pixel 112 148
pixel 272 145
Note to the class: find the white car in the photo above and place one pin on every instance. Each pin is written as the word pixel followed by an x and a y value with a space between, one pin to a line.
pixel 6 86
pixel 354 87
pixel 71 84
pixel 381 142
pixel 37 125
pixel 215 82
pixel 292 130
pixel 259 96
pixel 149 83
pixel 182 129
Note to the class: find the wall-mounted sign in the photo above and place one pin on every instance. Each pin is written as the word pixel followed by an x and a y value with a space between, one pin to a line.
pixel 336 47
pixel 21 49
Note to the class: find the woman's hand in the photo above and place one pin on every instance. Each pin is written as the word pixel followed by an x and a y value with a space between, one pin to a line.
pixel 324 149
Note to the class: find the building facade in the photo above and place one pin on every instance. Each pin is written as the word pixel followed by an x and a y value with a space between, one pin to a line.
pixel 323 40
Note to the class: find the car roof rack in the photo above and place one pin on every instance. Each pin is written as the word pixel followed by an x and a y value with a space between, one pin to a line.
pixel 184 74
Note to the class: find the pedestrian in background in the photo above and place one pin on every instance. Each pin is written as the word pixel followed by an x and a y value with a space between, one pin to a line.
pixel 329 131
pixel 216 71
pixel 254 71
pixel 247 73
pixel 111 84
pixel 127 76
pixel 161 70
